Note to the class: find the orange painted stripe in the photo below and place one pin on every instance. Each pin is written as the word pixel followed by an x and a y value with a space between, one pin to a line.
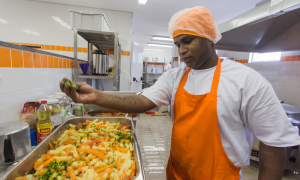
pixel 55 59
pixel 58 48
pixel 5 58
pixel 64 48
pixel 44 61
pixel 37 61
pixel 16 58
pixel 50 62
pixel 52 48
pixel 64 63
pixel 28 61
pixel 69 49
pixel 47 47
pixel 60 63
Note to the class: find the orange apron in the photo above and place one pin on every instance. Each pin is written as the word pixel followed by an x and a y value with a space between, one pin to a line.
pixel 196 149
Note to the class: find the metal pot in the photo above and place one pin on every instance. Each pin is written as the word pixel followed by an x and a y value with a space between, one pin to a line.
pixel 100 63
pixel 14 141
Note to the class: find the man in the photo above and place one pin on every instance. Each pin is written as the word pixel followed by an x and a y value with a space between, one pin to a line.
pixel 216 108
pixel 168 66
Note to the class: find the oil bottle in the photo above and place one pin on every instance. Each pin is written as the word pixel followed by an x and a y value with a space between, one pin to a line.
pixel 44 124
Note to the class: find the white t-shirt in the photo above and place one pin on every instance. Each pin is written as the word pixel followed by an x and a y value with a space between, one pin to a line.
pixel 246 105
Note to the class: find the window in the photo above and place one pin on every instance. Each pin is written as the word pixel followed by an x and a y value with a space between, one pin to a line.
pixel 262 57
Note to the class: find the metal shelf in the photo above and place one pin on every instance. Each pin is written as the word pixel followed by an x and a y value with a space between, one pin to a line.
pixel 156 62
pixel 100 39
pixel 110 76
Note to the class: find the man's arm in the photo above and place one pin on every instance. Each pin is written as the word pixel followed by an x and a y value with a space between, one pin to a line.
pixel 124 103
pixel 86 94
pixel 271 162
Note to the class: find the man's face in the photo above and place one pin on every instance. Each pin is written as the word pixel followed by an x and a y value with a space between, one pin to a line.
pixel 193 50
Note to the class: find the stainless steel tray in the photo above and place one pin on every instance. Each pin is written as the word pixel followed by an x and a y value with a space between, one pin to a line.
pixel 26 164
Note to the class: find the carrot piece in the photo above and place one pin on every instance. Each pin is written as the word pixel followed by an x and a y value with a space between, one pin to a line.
pixel 123 175
pixel 48 155
pixel 101 126
pixel 127 141
pixel 70 142
pixel 104 152
pixel 41 172
pixel 63 171
pixel 106 139
pixel 93 157
pixel 88 160
pixel 44 156
pixel 79 170
pixel 48 161
pixel 94 152
pixel 53 170
pixel 21 178
pixel 50 146
pixel 69 131
pixel 123 160
pixel 77 158
pixel 71 173
pixel 106 167
pixel 100 176
pixel 92 138
pixel 118 163
pixel 37 164
pixel 83 158
pixel 133 168
pixel 103 145
pixel 87 121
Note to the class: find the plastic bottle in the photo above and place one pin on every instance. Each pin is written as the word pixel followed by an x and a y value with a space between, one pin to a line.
pixel 44 124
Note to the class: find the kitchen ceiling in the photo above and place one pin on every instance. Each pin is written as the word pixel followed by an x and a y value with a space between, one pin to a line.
pixel 153 17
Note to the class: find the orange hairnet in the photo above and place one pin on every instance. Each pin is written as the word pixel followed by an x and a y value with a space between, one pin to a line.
pixel 197 21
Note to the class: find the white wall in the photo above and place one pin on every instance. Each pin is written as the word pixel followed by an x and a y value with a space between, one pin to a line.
pixel 136 67
pixel 160 52
pixel 34 22
pixel 235 54
pixel 20 85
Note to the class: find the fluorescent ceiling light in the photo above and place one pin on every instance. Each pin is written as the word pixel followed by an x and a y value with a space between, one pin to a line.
pixel 152 50
pixel 160 45
pixel 142 1
pixel 161 38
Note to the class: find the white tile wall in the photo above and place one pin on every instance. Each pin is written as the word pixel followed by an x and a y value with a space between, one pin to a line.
pixel 26 84
pixel 284 77
pixel 137 67
pixel 35 22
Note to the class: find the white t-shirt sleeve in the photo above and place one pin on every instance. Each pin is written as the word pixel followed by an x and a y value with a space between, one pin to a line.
pixel 266 117
pixel 160 92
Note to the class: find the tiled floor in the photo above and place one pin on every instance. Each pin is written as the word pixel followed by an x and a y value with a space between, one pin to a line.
pixel 154 138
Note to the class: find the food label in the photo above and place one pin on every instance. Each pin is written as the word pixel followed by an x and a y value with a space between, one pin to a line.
pixel 42 133
pixel 78 111
pixel 56 119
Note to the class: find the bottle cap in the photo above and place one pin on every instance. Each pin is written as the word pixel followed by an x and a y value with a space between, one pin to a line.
pixel 43 101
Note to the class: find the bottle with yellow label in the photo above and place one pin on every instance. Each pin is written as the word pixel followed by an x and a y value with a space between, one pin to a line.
pixel 44 124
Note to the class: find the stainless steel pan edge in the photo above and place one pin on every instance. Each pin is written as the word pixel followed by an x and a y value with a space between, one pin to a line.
pixel 26 164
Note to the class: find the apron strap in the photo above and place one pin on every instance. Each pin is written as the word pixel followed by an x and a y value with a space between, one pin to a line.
pixel 216 78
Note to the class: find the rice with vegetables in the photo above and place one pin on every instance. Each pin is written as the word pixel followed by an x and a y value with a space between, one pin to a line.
pixel 88 151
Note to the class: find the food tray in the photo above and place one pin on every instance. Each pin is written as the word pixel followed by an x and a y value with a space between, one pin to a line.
pixel 26 164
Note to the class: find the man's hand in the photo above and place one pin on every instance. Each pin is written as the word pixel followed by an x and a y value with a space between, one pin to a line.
pixel 271 162
pixel 85 94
